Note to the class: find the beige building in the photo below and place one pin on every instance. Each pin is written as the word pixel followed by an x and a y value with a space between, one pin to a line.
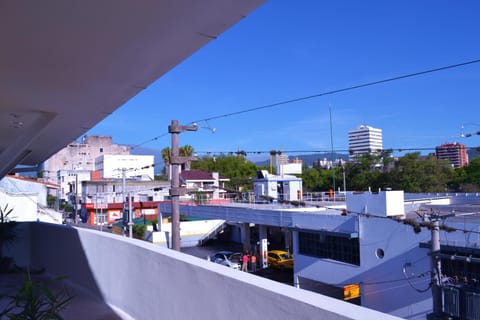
pixel 81 155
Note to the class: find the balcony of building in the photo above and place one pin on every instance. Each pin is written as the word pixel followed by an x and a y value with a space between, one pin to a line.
pixel 114 277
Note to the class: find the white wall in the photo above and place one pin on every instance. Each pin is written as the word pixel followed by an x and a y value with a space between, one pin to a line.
pixel 150 282
pixel 14 185
pixel 73 178
pixel 384 203
pixel 24 205
pixel 111 165
pixel 382 279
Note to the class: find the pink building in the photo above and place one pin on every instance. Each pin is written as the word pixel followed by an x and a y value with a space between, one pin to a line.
pixel 455 152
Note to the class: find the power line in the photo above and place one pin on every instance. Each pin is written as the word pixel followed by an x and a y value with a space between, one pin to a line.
pixel 149 140
pixel 332 92
pixel 354 87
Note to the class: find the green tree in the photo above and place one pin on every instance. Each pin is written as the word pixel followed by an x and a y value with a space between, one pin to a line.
pixel 185 151
pixel 238 169
pixel 316 179
pixel 414 174
pixel 467 179
pixel 365 173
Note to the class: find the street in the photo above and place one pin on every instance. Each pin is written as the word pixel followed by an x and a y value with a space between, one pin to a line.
pixel 212 247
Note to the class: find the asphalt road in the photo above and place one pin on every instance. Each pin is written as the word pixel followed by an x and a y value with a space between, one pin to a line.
pixel 214 246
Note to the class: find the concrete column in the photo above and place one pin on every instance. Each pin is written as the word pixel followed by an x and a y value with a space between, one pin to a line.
pixel 288 240
pixel 216 185
pixel 262 234
pixel 246 237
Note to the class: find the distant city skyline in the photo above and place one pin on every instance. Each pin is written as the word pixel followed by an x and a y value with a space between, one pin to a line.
pixel 285 51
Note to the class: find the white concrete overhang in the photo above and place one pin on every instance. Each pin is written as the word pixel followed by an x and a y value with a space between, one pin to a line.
pixel 66 65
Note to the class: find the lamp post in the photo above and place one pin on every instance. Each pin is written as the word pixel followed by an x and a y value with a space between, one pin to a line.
pixel 468 135
pixel 130 218
pixel 342 163
pixel 176 191
pixel 75 200
pixel 74 190
pixel 331 144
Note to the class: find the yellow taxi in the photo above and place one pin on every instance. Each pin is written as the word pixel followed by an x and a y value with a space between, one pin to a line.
pixel 280 260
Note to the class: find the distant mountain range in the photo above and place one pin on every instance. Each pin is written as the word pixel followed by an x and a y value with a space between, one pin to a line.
pixel 307 159
pixel 473 153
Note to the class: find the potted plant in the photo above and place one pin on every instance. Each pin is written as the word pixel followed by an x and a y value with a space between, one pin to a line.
pixel 7 236
pixel 35 300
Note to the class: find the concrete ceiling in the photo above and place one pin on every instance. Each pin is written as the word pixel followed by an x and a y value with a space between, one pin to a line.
pixel 66 65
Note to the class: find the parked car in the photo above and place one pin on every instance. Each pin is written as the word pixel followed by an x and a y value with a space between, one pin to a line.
pixel 228 258
pixel 280 260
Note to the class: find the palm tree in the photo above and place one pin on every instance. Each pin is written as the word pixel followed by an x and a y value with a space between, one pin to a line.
pixel 186 151
pixel 166 153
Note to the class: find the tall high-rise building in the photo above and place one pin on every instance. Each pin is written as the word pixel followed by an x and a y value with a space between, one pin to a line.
pixel 364 140
pixel 455 152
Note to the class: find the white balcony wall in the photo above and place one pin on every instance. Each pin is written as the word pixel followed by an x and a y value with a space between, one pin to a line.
pixel 150 282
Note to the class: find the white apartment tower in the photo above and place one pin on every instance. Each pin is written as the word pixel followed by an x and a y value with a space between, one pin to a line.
pixel 364 140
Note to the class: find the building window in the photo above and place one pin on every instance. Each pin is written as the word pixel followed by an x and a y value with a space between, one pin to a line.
pixel 101 150
pixel 327 246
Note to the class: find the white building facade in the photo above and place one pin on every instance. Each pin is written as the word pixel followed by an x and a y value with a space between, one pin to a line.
pixel 134 166
pixel 284 165
pixel 80 156
pixel 70 182
pixel 364 140
pixel 269 186
pixel 27 199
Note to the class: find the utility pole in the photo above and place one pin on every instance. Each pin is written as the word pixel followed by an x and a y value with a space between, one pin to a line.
pixel 123 193
pixel 101 214
pixel 331 144
pixel 76 198
pixel 436 265
pixel 344 180
pixel 130 220
pixel 175 191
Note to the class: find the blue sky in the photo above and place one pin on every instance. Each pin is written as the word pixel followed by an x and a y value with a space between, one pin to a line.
pixel 292 49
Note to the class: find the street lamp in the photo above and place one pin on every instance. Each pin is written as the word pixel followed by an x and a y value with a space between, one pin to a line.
pixel 75 201
pixel 342 163
pixel 176 191
pixel 468 135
